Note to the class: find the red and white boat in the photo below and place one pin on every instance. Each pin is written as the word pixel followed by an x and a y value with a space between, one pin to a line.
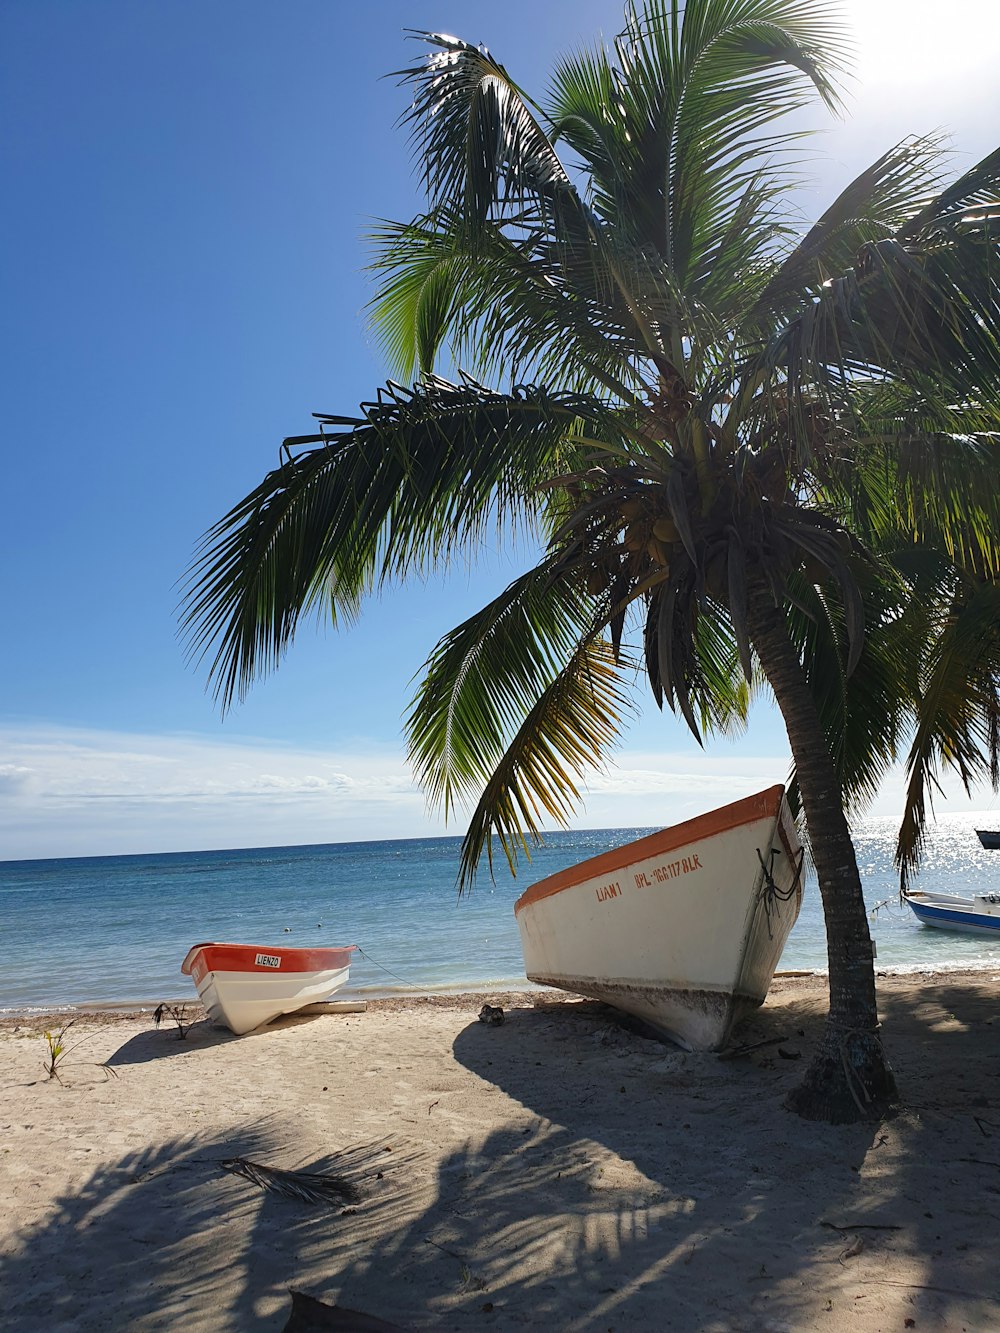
pixel 243 986
pixel 683 928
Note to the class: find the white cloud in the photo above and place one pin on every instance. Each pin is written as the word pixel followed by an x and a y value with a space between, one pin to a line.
pixel 70 792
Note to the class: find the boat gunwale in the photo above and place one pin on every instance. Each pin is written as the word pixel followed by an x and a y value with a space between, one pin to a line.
pixel 950 902
pixel 295 961
pixel 747 810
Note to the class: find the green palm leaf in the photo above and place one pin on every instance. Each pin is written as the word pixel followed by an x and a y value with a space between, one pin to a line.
pixel 909 313
pixel 848 702
pixel 572 726
pixel 969 201
pixel 669 135
pixel 411 484
pixel 489 669
pixel 875 206
pixel 425 272
pixel 480 140
pixel 545 311
pixel 958 709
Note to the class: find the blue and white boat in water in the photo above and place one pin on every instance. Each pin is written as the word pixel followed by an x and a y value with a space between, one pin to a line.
pixel 976 914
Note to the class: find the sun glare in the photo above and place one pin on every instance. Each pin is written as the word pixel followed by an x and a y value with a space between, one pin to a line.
pixel 917 42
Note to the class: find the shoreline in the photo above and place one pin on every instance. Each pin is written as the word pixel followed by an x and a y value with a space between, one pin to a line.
pixel 394 998
pixel 557 1170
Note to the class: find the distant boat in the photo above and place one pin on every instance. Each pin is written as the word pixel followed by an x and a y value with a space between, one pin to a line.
pixel 682 928
pixel 243 986
pixel 989 838
pixel 976 914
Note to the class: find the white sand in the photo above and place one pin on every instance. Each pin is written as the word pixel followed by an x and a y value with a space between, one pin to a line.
pixel 555 1172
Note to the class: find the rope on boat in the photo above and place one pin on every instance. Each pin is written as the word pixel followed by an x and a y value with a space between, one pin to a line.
pixel 772 893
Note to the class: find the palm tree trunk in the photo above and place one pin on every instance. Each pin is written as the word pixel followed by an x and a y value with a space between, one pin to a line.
pixel 849 1078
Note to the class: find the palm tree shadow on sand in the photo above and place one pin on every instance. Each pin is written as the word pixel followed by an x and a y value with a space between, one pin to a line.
pixel 583 1219
pixel 170 1237
pixel 635 1185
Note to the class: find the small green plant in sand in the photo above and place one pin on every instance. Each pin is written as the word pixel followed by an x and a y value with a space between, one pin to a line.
pixel 58 1051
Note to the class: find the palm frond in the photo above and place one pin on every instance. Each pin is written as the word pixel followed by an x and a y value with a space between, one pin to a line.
pixel 572 726
pixel 414 481
pixel 972 200
pixel 958 709
pixel 489 159
pixel 904 315
pixel 719 695
pixel 423 287
pixel 517 303
pixel 670 135
pixel 478 137
pixel 919 469
pixel 873 207
pixel 486 675
pixel 863 750
pixel 303 1186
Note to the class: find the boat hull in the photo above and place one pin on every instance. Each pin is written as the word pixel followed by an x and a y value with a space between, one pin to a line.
pixel 989 838
pixel 682 929
pixel 968 916
pixel 244 986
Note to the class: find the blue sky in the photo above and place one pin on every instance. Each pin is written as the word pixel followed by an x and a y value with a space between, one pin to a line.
pixel 188 184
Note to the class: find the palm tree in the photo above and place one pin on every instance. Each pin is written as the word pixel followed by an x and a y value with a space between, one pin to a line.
pixel 724 429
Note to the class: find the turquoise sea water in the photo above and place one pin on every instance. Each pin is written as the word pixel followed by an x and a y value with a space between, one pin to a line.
pixel 113 929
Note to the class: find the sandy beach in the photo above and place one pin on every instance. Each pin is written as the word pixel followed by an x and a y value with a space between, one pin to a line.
pixel 556 1171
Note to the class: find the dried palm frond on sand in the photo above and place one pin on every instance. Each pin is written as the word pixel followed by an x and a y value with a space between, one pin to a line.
pixel 361 1172
pixel 306 1186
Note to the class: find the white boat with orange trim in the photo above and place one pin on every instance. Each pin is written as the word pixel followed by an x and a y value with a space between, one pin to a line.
pixel 243 986
pixel 683 928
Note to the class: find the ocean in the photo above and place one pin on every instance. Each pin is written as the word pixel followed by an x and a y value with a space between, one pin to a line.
pixel 111 930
